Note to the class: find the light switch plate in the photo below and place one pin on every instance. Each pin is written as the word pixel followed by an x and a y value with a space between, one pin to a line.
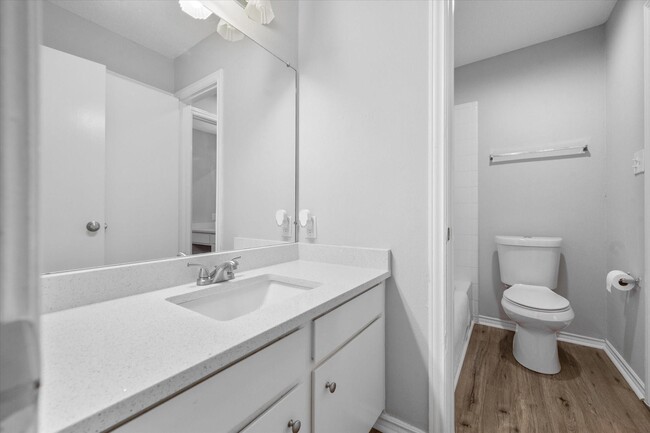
pixel 638 162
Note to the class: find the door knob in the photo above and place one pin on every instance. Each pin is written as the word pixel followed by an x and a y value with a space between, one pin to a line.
pixel 295 426
pixel 92 226
pixel 331 386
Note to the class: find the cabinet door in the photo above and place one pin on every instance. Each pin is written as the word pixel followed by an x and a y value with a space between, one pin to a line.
pixel 293 407
pixel 358 371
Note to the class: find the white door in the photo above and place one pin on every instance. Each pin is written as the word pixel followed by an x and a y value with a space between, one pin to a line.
pixel 72 172
pixel 142 171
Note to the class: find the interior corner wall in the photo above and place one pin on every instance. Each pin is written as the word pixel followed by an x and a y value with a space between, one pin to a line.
pixel 363 161
pixel 625 191
pixel 70 33
pixel 280 36
pixel 540 95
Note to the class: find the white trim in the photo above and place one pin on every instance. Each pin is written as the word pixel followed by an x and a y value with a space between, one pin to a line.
pixel 390 424
pixel 187 95
pixel 632 379
pixel 200 87
pixel 626 371
pixel 496 323
pixel 440 286
pixel 185 181
pixel 646 54
pixel 581 340
pixel 463 353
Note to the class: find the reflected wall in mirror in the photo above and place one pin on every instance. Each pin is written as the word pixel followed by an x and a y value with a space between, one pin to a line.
pixel 158 136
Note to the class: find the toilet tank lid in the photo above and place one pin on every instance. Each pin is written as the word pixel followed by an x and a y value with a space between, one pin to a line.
pixel 528 241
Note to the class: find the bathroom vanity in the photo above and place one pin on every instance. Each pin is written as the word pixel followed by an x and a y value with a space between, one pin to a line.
pixel 160 360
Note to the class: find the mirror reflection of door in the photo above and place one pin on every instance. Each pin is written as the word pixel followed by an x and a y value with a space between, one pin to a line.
pixel 204 174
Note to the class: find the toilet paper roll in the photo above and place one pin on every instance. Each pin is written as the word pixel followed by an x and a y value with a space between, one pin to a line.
pixel 614 280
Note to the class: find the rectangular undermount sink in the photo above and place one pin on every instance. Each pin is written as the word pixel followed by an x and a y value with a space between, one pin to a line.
pixel 236 298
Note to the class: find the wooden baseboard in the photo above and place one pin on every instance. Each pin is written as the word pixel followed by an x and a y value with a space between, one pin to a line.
pixel 632 379
pixel 390 424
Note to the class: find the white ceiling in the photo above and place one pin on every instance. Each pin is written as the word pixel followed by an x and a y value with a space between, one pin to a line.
pixel 487 28
pixel 159 25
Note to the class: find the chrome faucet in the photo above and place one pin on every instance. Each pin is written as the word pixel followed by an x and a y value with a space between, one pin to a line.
pixel 220 273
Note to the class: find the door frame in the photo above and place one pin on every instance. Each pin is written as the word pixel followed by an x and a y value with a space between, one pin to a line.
pixel 186 96
pixel 440 288
pixel 646 75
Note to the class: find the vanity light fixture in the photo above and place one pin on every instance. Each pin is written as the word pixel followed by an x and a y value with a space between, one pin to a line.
pixel 195 9
pixel 260 11
pixel 228 32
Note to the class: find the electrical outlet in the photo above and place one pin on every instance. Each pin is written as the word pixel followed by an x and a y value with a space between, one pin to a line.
pixel 287 228
pixel 638 162
pixel 310 229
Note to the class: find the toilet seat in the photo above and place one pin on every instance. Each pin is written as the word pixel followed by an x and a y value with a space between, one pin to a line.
pixel 536 298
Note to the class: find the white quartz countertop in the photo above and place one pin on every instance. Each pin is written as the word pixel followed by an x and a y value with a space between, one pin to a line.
pixel 107 361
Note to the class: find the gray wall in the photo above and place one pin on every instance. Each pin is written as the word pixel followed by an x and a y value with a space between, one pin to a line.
pixel 258 133
pixel 545 93
pixel 625 246
pixel 204 176
pixel 363 161
pixel 65 31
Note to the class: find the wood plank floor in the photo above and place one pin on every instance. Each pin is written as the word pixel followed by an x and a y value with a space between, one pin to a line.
pixel 496 394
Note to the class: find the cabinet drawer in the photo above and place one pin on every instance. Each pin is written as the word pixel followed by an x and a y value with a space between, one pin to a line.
pixel 339 325
pixel 201 238
pixel 358 371
pixel 295 406
pixel 228 400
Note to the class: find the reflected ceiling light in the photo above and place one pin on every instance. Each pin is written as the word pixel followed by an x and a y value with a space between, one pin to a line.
pixel 229 32
pixel 260 11
pixel 195 9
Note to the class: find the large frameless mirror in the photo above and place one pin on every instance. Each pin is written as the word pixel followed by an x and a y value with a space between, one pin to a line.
pixel 161 135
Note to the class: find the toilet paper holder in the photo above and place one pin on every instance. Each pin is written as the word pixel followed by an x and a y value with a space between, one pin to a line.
pixel 632 280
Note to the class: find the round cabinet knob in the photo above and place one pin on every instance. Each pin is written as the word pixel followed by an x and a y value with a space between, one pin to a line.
pixel 92 226
pixel 331 386
pixel 295 426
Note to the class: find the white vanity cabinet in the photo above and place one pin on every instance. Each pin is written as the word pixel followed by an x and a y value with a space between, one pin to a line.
pixel 282 388
pixel 232 398
pixel 348 385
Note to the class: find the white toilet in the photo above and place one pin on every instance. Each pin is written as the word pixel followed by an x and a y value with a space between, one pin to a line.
pixel 529 268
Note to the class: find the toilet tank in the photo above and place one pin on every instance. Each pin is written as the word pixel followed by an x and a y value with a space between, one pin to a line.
pixel 529 260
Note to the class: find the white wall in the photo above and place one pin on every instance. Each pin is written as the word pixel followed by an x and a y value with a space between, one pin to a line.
pixel 363 161
pixel 625 248
pixel 545 93
pixel 204 176
pixel 465 197
pixel 65 31
pixel 258 133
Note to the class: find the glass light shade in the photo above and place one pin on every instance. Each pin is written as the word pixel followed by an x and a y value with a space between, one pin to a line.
pixel 195 9
pixel 260 11
pixel 229 32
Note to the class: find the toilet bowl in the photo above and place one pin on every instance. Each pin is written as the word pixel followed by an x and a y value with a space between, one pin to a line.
pixel 539 314
pixel 529 269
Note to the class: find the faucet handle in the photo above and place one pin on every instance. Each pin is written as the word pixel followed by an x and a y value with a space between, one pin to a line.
pixel 203 273
pixel 235 261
